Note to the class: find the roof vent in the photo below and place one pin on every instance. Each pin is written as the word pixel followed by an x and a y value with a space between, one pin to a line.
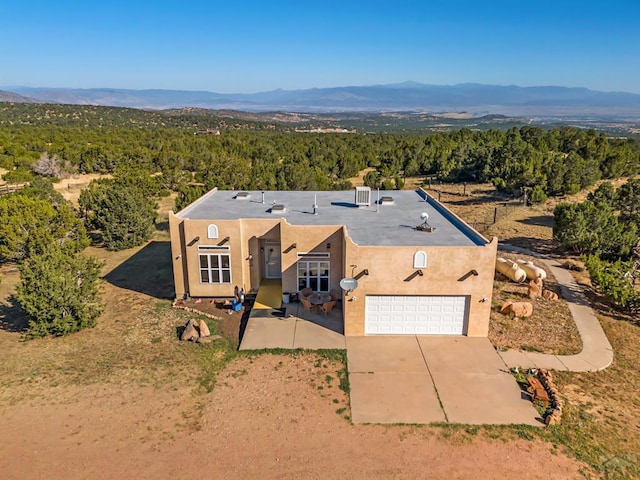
pixel 363 196
pixel 242 195
pixel 278 208
pixel 386 200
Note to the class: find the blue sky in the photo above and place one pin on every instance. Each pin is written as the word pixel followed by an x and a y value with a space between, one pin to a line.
pixel 246 46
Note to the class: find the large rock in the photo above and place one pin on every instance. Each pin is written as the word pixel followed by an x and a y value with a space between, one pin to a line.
pixel 534 289
pixel 517 309
pixel 190 332
pixel 204 329
pixel 549 295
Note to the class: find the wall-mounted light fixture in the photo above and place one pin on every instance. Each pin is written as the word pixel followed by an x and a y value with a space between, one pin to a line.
pixel 261 249
pixel 420 273
pixel 294 245
pixel 250 257
pixel 328 245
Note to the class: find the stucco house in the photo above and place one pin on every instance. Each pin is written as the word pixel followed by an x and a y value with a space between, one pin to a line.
pixel 419 268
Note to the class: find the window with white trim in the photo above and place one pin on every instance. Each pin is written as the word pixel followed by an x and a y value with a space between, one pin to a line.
pixel 215 267
pixel 313 274
pixel 212 231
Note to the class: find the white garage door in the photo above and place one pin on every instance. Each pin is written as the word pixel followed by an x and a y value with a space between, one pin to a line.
pixel 415 315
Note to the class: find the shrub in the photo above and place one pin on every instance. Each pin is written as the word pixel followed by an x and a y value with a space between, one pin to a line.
pixel 614 281
pixel 538 195
pixel 59 292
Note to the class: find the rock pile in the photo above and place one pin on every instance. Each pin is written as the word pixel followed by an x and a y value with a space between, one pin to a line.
pixel 546 380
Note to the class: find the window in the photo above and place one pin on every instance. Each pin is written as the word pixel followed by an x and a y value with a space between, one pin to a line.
pixel 313 274
pixel 420 260
pixel 215 268
pixel 212 231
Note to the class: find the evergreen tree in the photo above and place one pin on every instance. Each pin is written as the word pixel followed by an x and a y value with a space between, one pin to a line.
pixel 59 292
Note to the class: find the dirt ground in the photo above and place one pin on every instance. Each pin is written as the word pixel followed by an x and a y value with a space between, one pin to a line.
pixel 267 418
pixel 71 187
pixel 126 399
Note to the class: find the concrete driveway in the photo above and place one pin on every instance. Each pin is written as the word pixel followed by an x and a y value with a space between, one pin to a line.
pixel 424 379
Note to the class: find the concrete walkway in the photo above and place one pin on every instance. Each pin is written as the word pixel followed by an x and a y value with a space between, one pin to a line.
pixel 596 354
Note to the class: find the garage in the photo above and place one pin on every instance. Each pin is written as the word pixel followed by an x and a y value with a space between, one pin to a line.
pixel 415 315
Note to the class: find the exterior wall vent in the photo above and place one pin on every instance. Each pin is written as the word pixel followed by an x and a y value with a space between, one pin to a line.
pixel 242 195
pixel 363 196
pixel 278 208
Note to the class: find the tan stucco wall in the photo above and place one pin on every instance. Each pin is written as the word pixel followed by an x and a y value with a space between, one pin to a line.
pixel 310 239
pixel 390 269
pixel 246 238
pixel 391 272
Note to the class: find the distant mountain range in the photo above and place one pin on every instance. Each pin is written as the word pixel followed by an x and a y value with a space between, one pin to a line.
pixel 469 97
pixel 15 98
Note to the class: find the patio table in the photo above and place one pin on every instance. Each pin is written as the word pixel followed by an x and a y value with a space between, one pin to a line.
pixel 319 298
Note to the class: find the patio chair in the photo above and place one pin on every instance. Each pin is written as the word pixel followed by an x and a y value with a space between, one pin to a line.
pixel 305 292
pixel 335 294
pixel 308 306
pixel 327 307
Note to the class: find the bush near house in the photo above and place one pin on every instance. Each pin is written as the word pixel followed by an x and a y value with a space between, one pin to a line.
pixel 59 292
pixel 613 280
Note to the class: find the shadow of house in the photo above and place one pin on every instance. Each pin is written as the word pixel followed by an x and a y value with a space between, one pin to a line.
pixel 148 271
pixel 12 317
pixel 539 220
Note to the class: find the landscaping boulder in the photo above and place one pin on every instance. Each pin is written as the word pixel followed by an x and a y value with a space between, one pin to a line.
pixel 190 332
pixel 533 290
pixel 549 295
pixel 204 329
pixel 517 309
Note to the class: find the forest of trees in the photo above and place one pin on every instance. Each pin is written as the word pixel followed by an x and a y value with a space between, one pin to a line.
pixel 554 162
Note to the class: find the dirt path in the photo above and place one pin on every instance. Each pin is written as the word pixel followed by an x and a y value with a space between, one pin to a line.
pixel 266 418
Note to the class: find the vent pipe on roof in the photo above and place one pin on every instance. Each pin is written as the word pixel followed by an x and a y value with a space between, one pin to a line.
pixel 315 204
pixel 378 202
pixel 262 197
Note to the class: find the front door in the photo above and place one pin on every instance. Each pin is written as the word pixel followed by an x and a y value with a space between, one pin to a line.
pixel 272 261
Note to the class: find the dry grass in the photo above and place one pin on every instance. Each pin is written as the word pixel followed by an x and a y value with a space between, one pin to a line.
pixel 601 422
pixel 550 329
pixel 133 342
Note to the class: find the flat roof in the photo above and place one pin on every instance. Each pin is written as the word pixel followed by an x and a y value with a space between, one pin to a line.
pixel 384 224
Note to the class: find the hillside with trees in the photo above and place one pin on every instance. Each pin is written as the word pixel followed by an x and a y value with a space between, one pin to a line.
pixel 65 139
